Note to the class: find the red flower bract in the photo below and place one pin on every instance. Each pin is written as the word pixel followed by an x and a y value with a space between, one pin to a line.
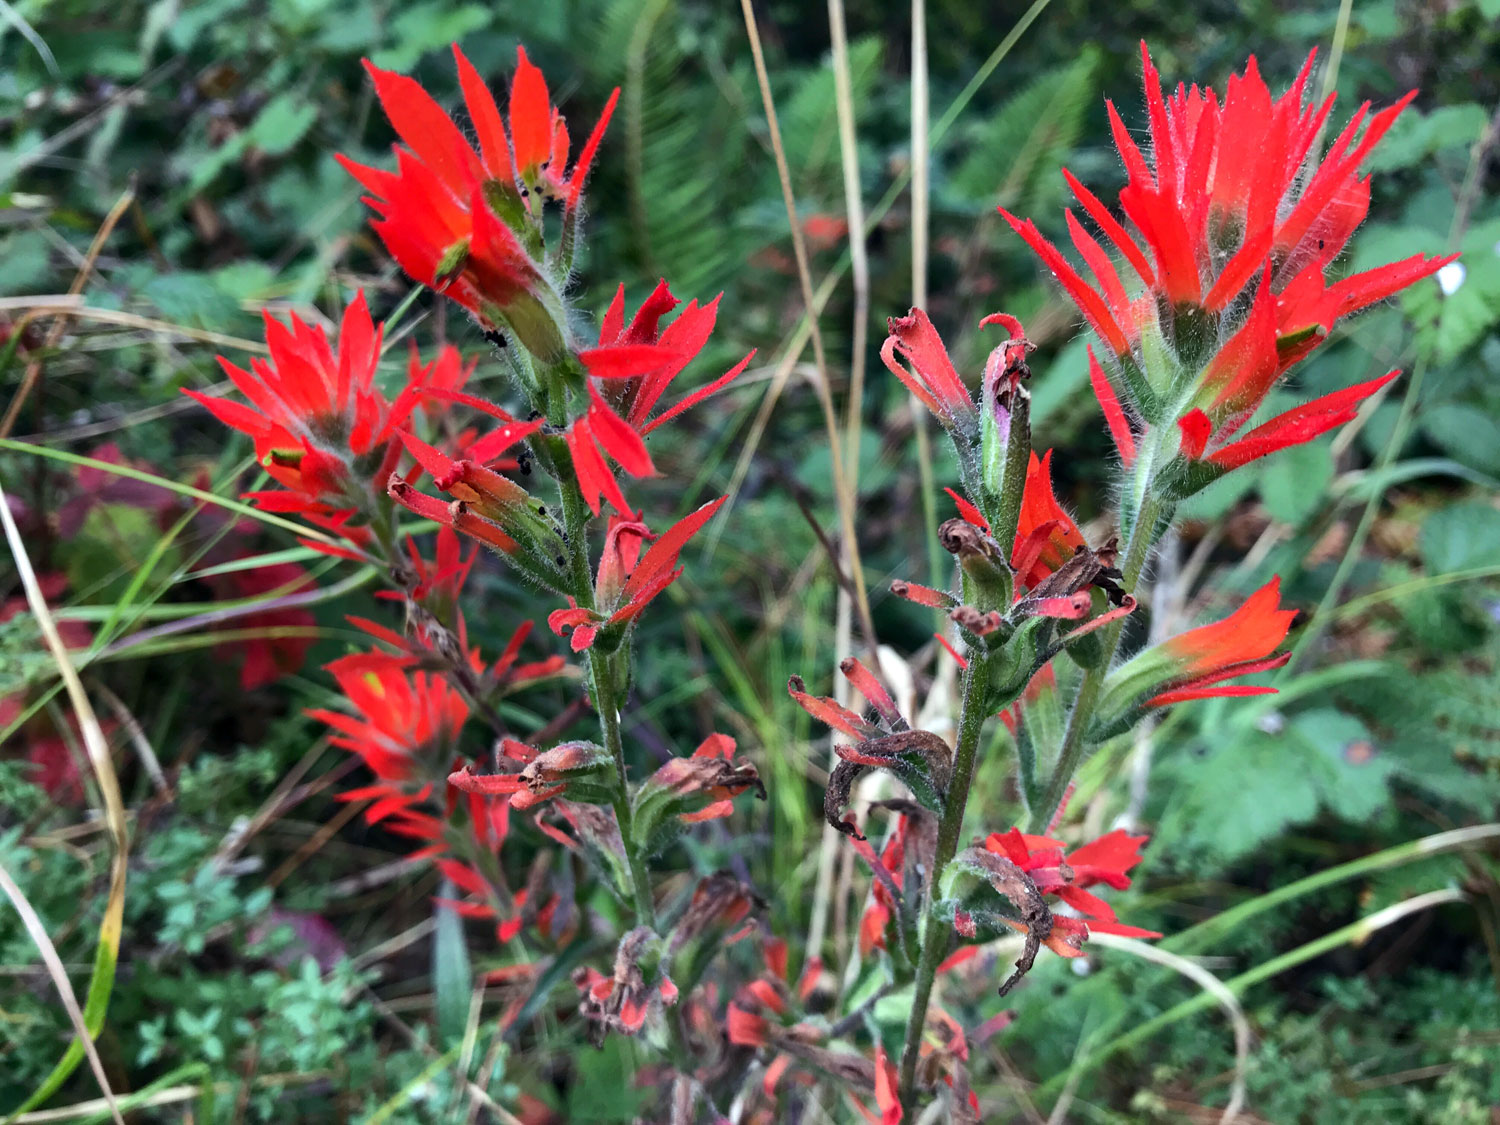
pixel 405 729
pixel 1046 536
pixel 1194 664
pixel 628 581
pixel 629 372
pixel 1238 645
pixel 467 222
pixel 321 427
pixel 931 377
pixel 1066 878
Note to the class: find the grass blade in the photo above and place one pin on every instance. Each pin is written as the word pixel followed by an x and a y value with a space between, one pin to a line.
pixel 90 1020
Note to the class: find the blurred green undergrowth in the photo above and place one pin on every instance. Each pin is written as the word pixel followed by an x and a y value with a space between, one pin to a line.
pixel 222 118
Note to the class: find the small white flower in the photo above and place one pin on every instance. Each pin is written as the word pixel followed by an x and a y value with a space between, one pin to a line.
pixel 1450 277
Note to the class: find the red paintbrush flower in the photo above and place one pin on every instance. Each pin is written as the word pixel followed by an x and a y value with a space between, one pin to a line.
pixel 890 873
pixel 505 676
pixel 529 776
pixel 405 728
pixel 437 584
pixel 931 376
pixel 701 787
pixel 1067 879
pixel 887 1091
pixel 468 222
pixel 627 580
pixel 322 429
pixel 748 1021
pixel 509 674
pixel 1205 445
pixel 638 988
pixel 629 372
pixel 1242 224
pixel 1046 536
pixel 1192 665
pixel 440 379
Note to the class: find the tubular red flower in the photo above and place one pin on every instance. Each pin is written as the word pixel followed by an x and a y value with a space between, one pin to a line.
pixel 628 581
pixel 709 774
pixel 1046 536
pixel 486 505
pixel 931 376
pixel 1245 367
pixel 1106 860
pixel 1238 645
pixel 923 595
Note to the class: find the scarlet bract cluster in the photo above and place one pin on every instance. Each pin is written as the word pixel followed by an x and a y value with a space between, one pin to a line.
pixel 1212 282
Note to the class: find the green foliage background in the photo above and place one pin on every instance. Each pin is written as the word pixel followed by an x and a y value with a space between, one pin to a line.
pixel 223 117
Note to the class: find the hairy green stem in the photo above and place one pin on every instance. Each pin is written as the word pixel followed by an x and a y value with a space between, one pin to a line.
pixel 604 691
pixel 950 827
pixel 1075 740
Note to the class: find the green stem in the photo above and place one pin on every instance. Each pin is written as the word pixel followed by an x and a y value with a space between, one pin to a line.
pixel 1075 742
pixel 603 690
pixel 606 702
pixel 950 827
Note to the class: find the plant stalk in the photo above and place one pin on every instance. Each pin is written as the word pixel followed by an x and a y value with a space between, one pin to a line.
pixel 950 827
pixel 1075 742
pixel 603 690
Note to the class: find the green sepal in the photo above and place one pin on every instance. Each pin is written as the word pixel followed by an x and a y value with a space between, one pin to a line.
pixel 1012 666
pixel 1181 478
pixel 505 201
pixel 683 785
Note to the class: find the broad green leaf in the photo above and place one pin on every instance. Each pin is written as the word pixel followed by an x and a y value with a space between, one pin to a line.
pixel 27 258
pixel 1466 433
pixel 1460 537
pixel 420 28
pixel 1343 762
pixel 1416 136
pixel 281 123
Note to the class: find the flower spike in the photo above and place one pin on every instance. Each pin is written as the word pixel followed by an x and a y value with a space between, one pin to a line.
pixel 1237 224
